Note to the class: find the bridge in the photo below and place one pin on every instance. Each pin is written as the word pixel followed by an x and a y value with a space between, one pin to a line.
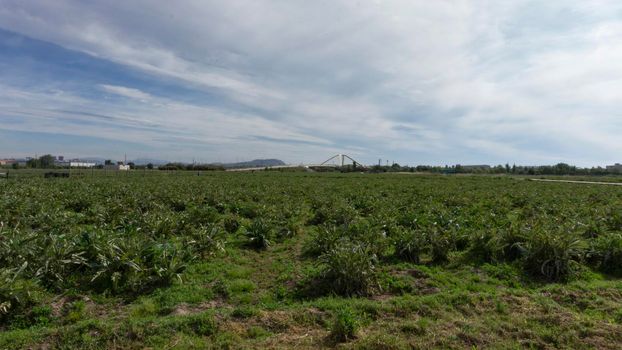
pixel 338 160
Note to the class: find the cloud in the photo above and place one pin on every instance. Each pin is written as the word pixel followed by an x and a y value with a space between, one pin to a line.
pixel 126 92
pixel 418 81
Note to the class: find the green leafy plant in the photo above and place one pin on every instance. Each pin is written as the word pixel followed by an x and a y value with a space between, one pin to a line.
pixel 345 325
pixel 606 250
pixel 259 234
pixel 441 244
pixel 349 269
pixel 231 224
pixel 409 245
pixel 323 240
pixel 16 293
pixel 207 240
pixel 555 256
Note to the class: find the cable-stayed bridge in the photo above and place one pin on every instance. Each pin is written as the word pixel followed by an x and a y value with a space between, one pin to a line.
pixel 336 161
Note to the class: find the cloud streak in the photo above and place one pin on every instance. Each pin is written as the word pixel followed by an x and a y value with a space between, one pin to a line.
pixel 418 81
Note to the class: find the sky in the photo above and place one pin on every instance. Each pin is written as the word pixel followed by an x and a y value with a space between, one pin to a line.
pixel 411 81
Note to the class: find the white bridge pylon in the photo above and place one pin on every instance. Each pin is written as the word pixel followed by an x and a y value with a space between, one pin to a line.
pixel 341 158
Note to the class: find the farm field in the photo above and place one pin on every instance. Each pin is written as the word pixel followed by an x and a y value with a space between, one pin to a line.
pixel 309 260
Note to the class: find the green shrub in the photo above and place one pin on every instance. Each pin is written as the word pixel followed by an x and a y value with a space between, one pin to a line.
pixel 207 240
pixel 177 205
pixel 259 234
pixel 288 229
pixel 221 288
pixel 130 264
pixel 607 253
pixel 441 244
pixel 483 246
pixel 231 224
pixel 492 245
pixel 409 244
pixel 16 294
pixel 78 205
pixel 203 215
pixel 323 240
pixel 509 243
pixel 76 311
pixel 333 213
pixel 163 264
pixel 345 325
pixel 552 255
pixel 202 324
pixel 349 269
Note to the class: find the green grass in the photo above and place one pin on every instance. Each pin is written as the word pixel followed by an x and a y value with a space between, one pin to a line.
pixel 293 260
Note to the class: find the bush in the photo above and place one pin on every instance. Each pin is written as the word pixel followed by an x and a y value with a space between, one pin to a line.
pixel 510 242
pixel 204 215
pixel 553 256
pixel 130 264
pixel 441 243
pixel 259 234
pixel 409 244
pixel 483 246
pixel 349 269
pixel 231 225
pixel 333 213
pixel 323 240
pixel 607 253
pixel 288 229
pixel 492 245
pixel 207 240
pixel 345 325
pixel 16 294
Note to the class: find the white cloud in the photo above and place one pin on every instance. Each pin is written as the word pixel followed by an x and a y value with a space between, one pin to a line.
pixel 126 92
pixel 517 81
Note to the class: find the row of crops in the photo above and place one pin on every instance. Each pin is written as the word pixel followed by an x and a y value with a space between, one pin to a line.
pixel 128 236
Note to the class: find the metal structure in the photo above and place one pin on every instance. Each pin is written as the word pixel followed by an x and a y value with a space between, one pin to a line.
pixel 341 159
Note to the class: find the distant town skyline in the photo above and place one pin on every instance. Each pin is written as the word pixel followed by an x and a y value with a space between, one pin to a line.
pixel 415 82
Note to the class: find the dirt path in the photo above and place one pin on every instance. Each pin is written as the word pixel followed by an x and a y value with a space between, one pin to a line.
pixel 580 182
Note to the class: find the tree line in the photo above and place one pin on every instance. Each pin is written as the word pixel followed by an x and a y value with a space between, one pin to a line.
pixel 48 162
pixel 557 169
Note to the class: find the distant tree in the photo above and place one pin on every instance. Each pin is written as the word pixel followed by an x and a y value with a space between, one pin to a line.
pixel 15 165
pixel 108 162
pixel 132 165
pixel 46 161
pixel 149 166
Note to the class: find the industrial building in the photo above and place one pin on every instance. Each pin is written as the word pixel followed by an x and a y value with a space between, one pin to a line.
pixel 616 168
pixel 77 164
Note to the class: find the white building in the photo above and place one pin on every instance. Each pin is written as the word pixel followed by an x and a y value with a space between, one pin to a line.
pixel 117 167
pixel 81 165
